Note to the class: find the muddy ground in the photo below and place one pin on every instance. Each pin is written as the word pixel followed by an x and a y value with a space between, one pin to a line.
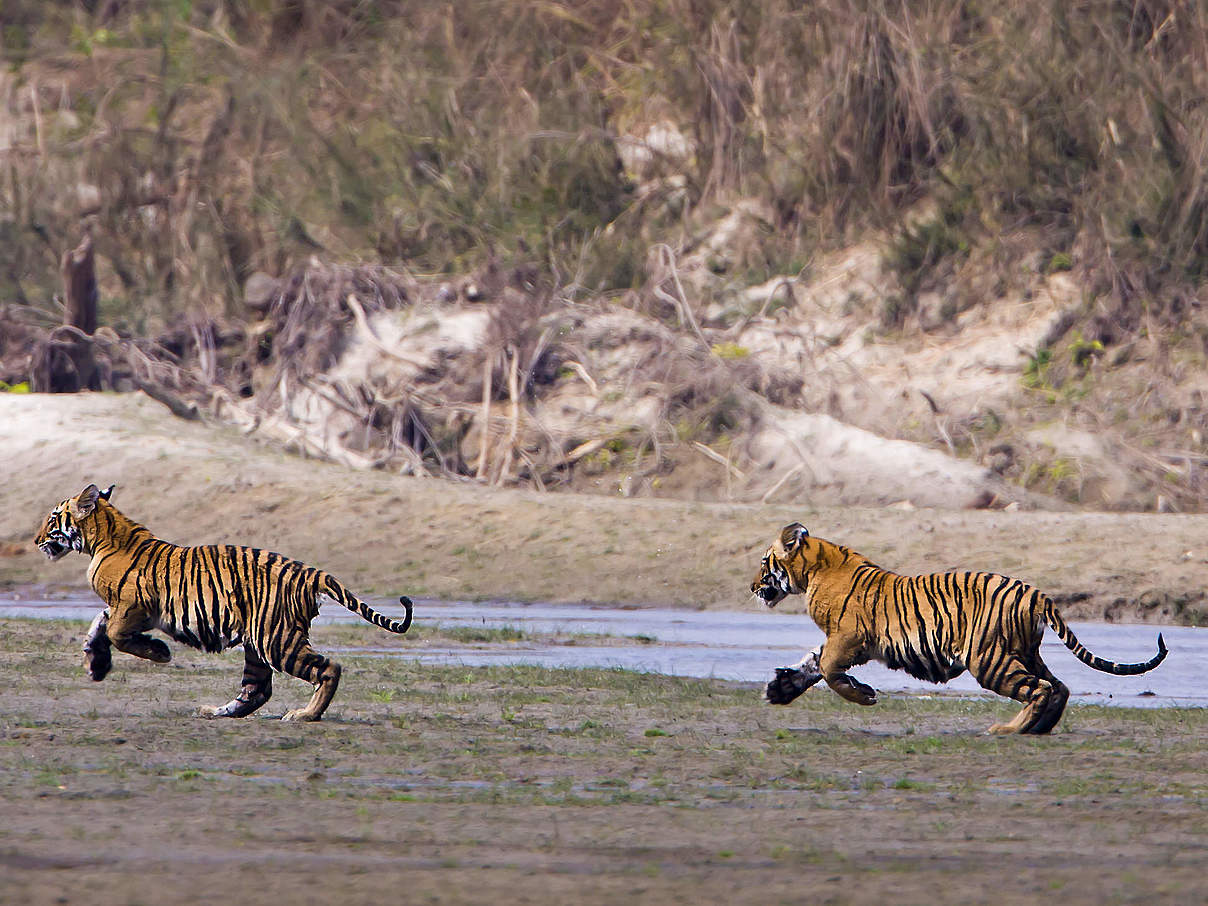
pixel 385 535
pixel 526 785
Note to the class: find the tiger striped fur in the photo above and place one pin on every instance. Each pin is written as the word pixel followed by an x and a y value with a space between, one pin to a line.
pixel 934 627
pixel 211 597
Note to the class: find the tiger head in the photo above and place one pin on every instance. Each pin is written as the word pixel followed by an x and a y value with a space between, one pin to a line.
pixel 776 581
pixel 60 533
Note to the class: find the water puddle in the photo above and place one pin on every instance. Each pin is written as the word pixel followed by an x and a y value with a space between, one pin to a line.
pixel 731 645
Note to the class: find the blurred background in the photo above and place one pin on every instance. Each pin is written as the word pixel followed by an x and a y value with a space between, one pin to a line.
pixel 927 253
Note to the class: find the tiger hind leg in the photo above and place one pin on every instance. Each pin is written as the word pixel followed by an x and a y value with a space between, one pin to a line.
pixel 1043 702
pixel 323 673
pixel 1052 712
pixel 254 691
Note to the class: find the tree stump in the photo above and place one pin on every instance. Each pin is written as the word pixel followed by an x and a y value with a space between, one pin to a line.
pixel 79 284
pixel 67 363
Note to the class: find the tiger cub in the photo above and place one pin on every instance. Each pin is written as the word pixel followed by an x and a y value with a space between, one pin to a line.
pixel 933 627
pixel 211 597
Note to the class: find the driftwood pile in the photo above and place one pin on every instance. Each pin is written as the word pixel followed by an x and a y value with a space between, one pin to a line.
pixel 496 379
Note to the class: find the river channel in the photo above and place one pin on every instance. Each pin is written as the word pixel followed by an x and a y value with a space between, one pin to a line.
pixel 731 645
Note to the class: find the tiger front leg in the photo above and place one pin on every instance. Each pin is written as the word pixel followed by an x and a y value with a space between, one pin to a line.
pixel 791 682
pixel 98 652
pixel 127 632
pixel 837 656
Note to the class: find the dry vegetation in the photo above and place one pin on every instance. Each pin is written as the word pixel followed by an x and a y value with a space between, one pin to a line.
pixel 243 168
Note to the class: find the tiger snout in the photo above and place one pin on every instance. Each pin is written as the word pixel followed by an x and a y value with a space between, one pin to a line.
pixel 58 536
pixel 769 594
pixel 55 545
pixel 772 583
pixel 54 550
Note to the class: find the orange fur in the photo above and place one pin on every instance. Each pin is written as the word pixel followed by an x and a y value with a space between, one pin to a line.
pixel 212 597
pixel 934 627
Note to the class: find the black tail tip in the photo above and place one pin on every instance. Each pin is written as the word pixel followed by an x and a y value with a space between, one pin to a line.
pixel 1161 644
pixel 406 623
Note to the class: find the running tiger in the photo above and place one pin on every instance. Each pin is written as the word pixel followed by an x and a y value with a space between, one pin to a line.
pixel 212 597
pixel 933 627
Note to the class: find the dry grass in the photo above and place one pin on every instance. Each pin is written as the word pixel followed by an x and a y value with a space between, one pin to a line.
pixel 219 140
pixel 202 142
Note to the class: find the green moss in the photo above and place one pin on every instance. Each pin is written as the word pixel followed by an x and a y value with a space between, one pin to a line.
pixel 730 351
pixel 1035 372
pixel 1059 261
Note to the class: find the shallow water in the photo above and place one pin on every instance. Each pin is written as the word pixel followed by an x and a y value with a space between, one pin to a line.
pixel 742 645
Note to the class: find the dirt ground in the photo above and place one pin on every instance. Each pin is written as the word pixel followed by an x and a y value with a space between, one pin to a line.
pixel 526 785
pixel 387 535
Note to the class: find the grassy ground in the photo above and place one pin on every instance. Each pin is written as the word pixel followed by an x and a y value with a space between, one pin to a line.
pixel 532 785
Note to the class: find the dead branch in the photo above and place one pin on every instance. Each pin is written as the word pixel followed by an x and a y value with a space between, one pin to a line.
pixel 585 449
pixel 578 369
pixel 780 482
pixel 680 300
pixel 484 440
pixel 509 448
pixel 718 458
pixel 79 284
pixel 362 322
pixel 178 407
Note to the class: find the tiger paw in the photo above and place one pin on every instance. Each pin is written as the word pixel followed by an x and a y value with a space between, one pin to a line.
pixel 788 684
pixel 230 709
pixel 299 714
pixel 158 652
pixel 1001 730
pixel 98 651
pixel 98 661
pixel 866 695
pixel 853 690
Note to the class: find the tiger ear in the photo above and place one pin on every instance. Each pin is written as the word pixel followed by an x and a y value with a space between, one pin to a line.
pixel 85 503
pixel 791 536
pixel 108 492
